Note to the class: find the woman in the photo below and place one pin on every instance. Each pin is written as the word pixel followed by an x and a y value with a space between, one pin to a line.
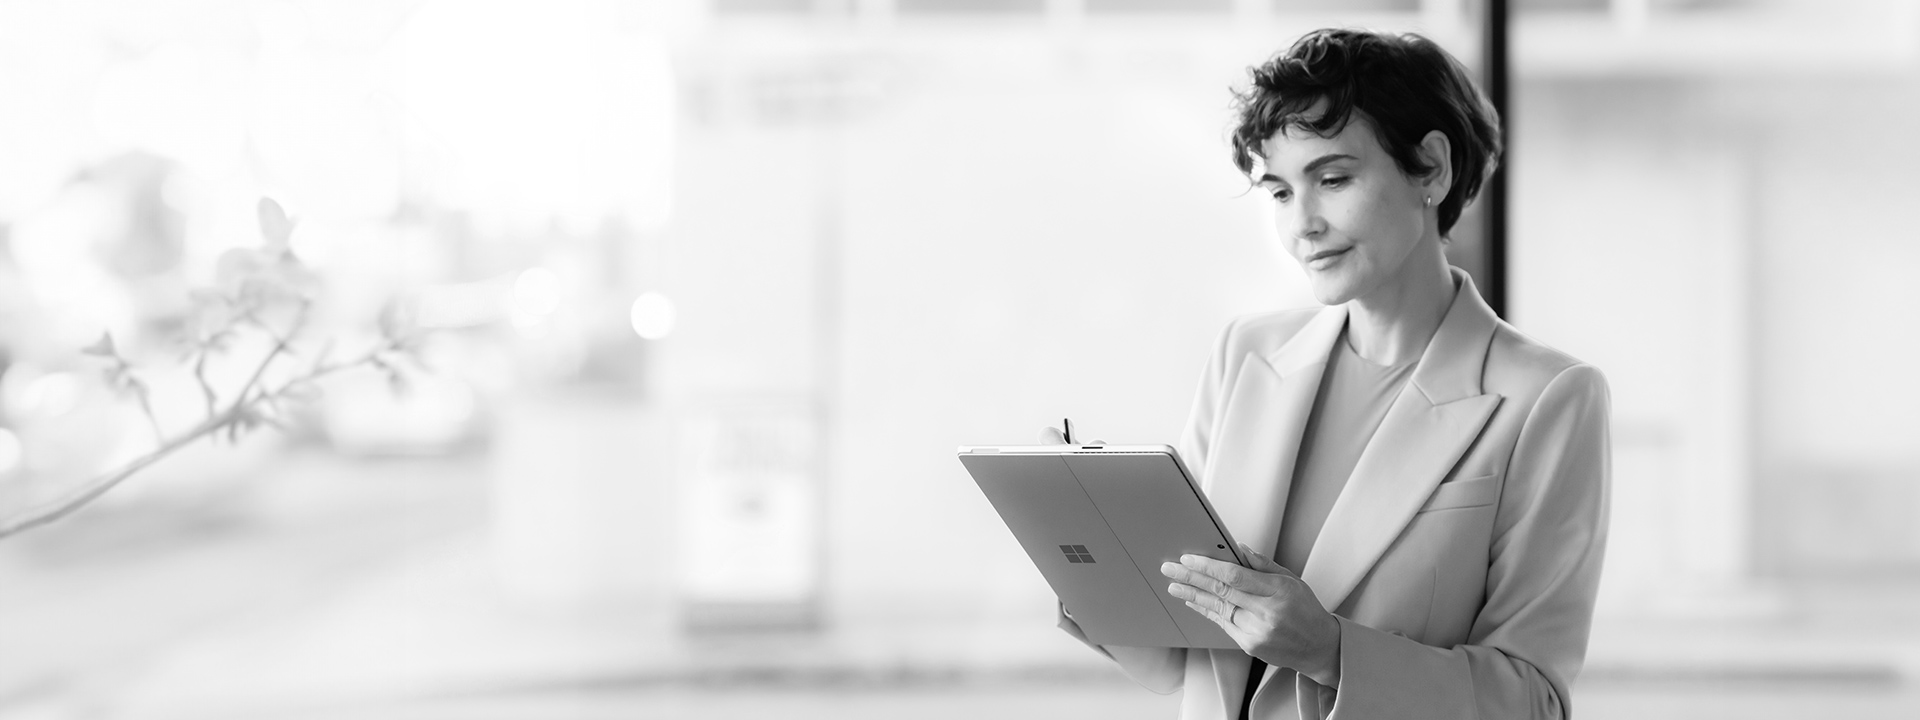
pixel 1430 483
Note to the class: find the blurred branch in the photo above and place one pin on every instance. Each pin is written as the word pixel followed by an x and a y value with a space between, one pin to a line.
pixel 120 376
pixel 280 344
pixel 200 376
pixel 146 408
pixel 253 284
pixel 243 414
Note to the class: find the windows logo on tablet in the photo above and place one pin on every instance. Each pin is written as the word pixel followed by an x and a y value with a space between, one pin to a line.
pixel 1076 553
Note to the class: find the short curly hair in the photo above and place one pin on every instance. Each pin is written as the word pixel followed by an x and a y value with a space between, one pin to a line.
pixel 1404 84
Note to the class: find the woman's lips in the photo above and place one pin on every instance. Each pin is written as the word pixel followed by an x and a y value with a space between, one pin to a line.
pixel 1326 258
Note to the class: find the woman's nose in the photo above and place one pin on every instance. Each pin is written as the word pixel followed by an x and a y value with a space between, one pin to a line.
pixel 1305 222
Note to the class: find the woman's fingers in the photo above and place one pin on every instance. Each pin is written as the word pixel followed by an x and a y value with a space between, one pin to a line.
pixel 1227 574
pixel 1194 578
pixel 1228 621
pixel 1214 605
pixel 1065 622
pixel 1210 614
pixel 1234 583
pixel 1053 436
pixel 1223 600
pixel 1261 562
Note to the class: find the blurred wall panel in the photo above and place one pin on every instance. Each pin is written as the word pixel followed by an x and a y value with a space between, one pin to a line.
pixel 748 551
pixel 582 505
pixel 741 373
pixel 1837 263
pixel 738 263
pixel 1632 252
pixel 1733 252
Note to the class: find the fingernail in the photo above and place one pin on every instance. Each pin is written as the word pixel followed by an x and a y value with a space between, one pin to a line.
pixel 1166 568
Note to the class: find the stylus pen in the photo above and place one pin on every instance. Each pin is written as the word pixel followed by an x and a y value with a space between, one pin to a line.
pixel 1066 431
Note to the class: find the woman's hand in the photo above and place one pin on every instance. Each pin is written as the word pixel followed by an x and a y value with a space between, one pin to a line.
pixel 1057 436
pixel 1065 622
pixel 1267 609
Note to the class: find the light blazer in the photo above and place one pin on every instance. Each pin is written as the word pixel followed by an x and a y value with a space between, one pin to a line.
pixel 1463 555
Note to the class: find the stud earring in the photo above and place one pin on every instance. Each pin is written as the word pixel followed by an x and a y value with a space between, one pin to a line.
pixel 1429 201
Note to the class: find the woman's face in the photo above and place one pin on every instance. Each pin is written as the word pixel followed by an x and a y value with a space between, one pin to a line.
pixel 1345 211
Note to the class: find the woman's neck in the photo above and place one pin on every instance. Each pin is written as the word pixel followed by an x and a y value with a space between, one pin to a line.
pixel 1392 324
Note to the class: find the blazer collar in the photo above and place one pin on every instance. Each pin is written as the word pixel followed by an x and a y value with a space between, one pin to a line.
pixel 1455 359
pixel 1311 345
pixel 1449 369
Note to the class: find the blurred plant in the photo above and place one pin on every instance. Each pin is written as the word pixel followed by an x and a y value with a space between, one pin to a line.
pixel 265 291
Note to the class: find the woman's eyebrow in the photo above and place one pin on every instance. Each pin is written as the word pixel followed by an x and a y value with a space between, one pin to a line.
pixel 1312 166
pixel 1328 158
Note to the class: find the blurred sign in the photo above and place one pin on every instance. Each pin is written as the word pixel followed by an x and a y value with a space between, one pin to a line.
pixel 749 517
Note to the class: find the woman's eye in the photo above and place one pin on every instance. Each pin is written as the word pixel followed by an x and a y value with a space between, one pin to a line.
pixel 1282 194
pixel 1334 181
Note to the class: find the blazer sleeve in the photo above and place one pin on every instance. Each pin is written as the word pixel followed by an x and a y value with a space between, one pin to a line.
pixel 1530 638
pixel 1163 670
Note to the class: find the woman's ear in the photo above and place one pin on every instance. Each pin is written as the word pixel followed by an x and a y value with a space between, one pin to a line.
pixel 1437 151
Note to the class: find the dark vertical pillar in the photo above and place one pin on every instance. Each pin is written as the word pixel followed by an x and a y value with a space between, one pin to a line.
pixel 1494 195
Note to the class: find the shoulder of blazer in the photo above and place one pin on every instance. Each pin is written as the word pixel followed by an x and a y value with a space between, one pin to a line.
pixel 1263 333
pixel 1519 367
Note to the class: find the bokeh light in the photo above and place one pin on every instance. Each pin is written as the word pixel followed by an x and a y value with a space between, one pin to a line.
pixel 651 315
pixel 10 451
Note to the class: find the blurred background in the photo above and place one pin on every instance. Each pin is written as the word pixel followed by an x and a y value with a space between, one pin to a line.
pixel 709 290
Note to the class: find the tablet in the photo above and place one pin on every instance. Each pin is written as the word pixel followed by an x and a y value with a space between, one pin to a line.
pixel 1098 520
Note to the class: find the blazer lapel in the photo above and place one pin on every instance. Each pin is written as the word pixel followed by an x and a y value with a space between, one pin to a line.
pixel 1265 416
pixel 1425 432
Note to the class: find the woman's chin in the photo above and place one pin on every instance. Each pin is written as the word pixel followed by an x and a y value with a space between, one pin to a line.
pixel 1330 290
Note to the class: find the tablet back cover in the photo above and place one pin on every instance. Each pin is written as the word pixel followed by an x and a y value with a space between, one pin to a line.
pixel 1097 526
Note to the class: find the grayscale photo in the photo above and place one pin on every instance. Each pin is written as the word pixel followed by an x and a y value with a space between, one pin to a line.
pixel 864 359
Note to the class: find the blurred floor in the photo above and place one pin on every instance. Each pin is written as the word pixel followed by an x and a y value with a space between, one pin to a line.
pixel 336 588
pixel 1116 702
